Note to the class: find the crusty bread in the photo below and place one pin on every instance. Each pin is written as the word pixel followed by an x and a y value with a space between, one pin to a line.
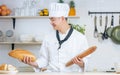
pixel 82 55
pixel 20 53
pixel 7 67
pixel 3 67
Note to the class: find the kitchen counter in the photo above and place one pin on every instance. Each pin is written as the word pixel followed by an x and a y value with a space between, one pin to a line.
pixel 43 73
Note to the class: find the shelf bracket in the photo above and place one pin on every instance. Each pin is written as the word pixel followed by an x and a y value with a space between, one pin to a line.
pixel 12 45
pixel 14 20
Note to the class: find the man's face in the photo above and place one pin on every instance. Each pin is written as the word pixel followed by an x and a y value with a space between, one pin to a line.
pixel 56 22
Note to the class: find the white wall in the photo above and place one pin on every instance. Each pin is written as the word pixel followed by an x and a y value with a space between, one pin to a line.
pixel 107 52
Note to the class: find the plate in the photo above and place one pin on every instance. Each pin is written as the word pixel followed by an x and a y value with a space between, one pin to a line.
pixel 9 33
pixel 8 72
pixel 1 33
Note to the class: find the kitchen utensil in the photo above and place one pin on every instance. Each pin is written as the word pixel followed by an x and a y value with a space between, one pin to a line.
pixel 105 36
pixel 100 34
pixel 100 20
pixel 95 28
pixel 82 55
pixel 109 29
pixel 115 36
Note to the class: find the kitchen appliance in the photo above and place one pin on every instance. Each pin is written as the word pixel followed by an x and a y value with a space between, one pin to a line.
pixel 95 28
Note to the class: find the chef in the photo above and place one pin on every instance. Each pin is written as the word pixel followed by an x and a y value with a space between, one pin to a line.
pixel 61 45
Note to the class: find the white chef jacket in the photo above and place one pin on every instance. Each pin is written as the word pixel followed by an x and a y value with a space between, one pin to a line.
pixel 54 59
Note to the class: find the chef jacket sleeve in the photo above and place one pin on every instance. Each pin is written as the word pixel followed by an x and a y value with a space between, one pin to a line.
pixel 42 61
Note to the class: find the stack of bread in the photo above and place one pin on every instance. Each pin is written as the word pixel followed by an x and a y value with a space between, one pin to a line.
pixel 7 67
pixel 20 53
pixel 4 10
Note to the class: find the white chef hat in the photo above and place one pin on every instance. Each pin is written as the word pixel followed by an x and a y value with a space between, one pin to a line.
pixel 59 9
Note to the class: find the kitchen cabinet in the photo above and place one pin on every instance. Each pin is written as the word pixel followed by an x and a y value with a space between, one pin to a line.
pixel 27 17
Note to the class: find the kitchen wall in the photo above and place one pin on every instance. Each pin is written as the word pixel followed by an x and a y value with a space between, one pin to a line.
pixel 107 52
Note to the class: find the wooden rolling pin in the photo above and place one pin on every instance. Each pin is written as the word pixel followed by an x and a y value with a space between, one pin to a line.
pixel 82 55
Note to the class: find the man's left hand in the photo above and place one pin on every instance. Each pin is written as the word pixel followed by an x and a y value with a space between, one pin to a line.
pixel 78 61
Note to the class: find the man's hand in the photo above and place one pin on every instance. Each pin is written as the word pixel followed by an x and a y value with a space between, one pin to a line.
pixel 78 61
pixel 27 60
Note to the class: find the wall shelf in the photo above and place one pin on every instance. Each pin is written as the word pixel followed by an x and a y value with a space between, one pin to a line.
pixel 31 17
pixel 27 17
pixel 21 43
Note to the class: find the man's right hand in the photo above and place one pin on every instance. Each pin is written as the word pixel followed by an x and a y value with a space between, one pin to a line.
pixel 27 60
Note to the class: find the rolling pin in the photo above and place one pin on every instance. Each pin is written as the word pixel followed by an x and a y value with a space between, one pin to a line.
pixel 82 55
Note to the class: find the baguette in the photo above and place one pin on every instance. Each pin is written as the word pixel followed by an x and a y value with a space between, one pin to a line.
pixel 82 55
pixel 20 53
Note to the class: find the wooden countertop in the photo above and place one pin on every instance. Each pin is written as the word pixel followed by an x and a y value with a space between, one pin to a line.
pixel 59 73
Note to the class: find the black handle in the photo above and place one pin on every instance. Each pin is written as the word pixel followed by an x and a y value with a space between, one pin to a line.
pixel 119 19
pixel 14 20
pixel 112 20
pixel 106 22
pixel 12 45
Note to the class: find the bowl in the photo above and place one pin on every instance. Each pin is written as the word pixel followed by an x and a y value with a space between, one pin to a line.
pixel 26 38
pixel 38 38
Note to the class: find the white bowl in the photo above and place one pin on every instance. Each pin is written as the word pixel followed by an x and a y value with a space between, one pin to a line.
pixel 26 38
pixel 39 38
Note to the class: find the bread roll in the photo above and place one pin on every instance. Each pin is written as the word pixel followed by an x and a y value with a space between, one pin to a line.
pixel 20 53
pixel 7 67
pixel 82 55
pixel 3 67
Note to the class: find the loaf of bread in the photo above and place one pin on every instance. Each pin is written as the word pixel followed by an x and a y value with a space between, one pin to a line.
pixel 82 55
pixel 7 67
pixel 20 53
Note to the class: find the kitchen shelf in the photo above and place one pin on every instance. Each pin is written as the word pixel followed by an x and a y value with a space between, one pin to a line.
pixel 31 17
pixel 20 43
pixel 25 43
pixel 27 17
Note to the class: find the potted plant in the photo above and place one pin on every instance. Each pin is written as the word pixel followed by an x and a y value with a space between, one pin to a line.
pixel 61 1
pixel 79 28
